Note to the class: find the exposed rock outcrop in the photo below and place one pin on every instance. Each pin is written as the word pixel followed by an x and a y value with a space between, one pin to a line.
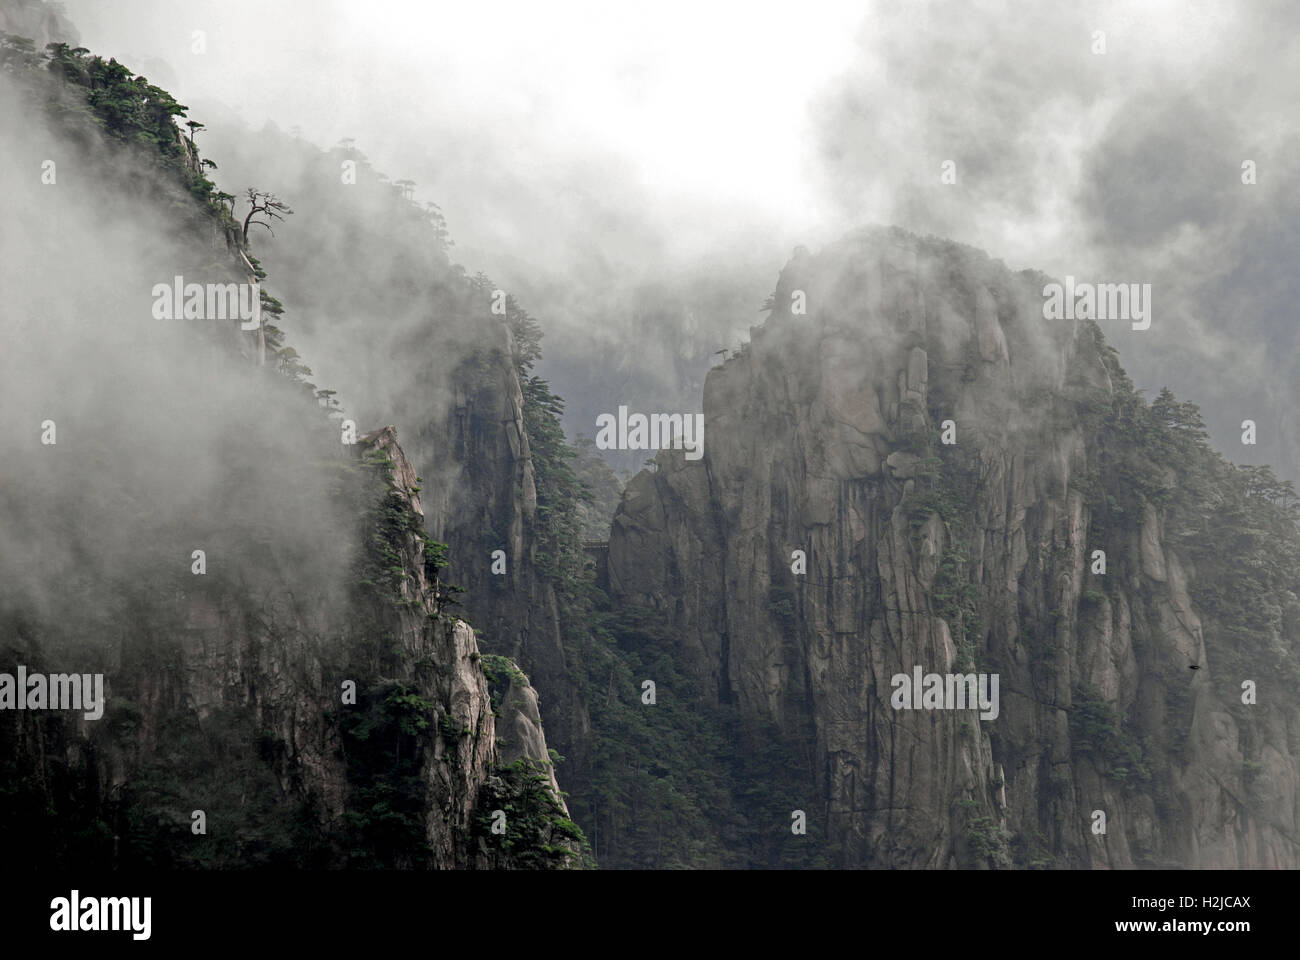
pixel 480 462
pixel 299 697
pixel 824 437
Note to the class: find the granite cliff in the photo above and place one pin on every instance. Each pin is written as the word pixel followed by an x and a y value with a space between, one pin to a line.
pixel 826 436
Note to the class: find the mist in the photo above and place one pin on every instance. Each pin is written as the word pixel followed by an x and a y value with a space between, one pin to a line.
pixel 496 227
pixel 1124 165
pixel 134 441
pixel 637 178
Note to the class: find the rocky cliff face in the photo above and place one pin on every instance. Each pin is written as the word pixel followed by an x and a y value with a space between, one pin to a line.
pixel 478 449
pixel 824 436
pixel 301 687
pixel 310 733
pixel 443 366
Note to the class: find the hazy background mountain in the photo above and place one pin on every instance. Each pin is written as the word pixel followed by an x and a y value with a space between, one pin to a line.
pixel 641 184
pixel 638 177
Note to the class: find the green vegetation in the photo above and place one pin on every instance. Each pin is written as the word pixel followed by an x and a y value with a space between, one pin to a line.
pixel 1215 514
pixel 948 485
pixel 385 738
pixel 229 758
pixel 606 489
pixel 95 93
pixel 956 600
pixel 501 672
pixel 561 495
pixel 537 833
pixel 87 97
pixel 989 841
pixel 391 527
pixel 1094 729
pixel 677 784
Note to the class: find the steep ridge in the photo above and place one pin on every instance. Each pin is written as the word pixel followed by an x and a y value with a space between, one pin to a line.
pixel 405 334
pixel 297 679
pixel 480 451
pixel 825 435
pixel 308 734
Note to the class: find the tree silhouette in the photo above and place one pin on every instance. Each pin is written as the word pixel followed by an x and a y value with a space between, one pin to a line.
pixel 267 204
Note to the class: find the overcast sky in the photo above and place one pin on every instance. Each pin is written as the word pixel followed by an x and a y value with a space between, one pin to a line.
pixel 680 104
pixel 648 137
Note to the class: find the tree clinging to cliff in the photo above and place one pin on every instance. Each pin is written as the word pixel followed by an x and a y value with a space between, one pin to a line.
pixel 267 204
